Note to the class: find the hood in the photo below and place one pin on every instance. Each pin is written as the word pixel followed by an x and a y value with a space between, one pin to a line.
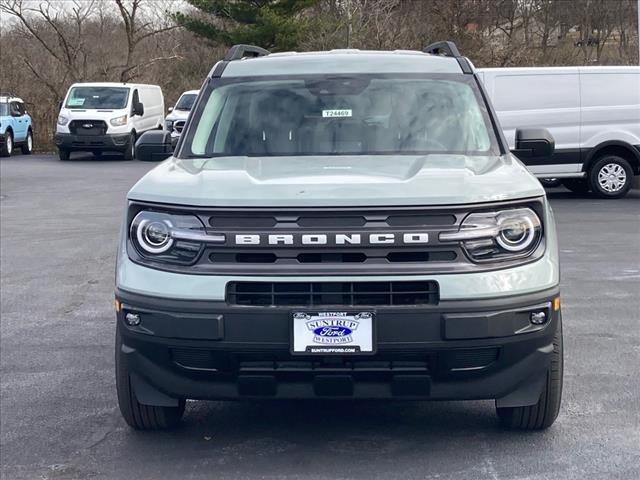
pixel 318 181
pixel 93 113
pixel 177 115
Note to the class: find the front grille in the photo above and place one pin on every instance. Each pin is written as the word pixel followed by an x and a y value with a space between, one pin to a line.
pixel 329 241
pixel 282 363
pixel 88 127
pixel 315 294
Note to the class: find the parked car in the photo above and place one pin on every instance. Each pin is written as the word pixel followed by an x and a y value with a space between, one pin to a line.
pixel 592 112
pixel 16 129
pixel 107 117
pixel 174 122
pixel 339 225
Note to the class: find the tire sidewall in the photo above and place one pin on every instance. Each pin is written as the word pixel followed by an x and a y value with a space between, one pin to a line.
pixel 597 166
pixel 9 144
pixel 130 152
pixel 27 146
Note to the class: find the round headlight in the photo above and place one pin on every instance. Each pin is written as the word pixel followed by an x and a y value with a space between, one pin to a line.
pixel 154 236
pixel 517 233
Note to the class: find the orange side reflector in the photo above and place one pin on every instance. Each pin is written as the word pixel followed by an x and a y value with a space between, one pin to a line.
pixel 556 304
pixel 117 304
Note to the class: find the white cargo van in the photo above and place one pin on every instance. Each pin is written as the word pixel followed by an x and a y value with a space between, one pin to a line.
pixel 99 117
pixel 592 112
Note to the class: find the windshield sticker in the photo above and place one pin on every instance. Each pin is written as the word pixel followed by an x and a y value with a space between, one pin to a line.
pixel 336 113
pixel 75 102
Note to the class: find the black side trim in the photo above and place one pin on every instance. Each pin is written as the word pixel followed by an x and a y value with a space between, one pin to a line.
pixel 559 156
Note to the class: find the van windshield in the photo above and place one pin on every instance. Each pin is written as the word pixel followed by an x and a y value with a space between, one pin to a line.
pixel 107 98
pixel 331 115
pixel 186 102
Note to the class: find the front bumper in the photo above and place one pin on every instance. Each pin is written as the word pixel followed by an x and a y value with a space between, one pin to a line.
pixel 472 349
pixel 116 142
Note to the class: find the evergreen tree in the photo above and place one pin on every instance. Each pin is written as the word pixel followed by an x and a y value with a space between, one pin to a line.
pixel 272 24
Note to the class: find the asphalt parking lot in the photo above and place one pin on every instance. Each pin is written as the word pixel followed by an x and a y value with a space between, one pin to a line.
pixel 59 416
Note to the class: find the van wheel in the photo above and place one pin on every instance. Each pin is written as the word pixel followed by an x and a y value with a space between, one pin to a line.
pixel 7 147
pixel 544 413
pixel 27 146
pixel 137 415
pixel 576 185
pixel 611 177
pixel 130 151
pixel 64 154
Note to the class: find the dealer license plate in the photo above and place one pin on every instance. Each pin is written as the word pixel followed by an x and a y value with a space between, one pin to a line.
pixel 332 333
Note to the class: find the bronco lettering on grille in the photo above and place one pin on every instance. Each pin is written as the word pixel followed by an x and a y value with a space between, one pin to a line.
pixel 419 238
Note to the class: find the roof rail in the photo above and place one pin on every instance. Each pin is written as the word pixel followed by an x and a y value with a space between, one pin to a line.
pixel 449 49
pixel 241 51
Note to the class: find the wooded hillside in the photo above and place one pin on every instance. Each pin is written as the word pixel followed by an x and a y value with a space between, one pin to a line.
pixel 46 46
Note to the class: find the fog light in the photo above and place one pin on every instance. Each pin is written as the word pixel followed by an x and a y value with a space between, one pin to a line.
pixel 133 319
pixel 537 318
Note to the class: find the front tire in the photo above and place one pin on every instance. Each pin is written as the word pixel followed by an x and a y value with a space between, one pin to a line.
pixel 7 147
pixel 137 415
pixel 64 154
pixel 130 151
pixel 544 413
pixel 27 146
pixel 611 177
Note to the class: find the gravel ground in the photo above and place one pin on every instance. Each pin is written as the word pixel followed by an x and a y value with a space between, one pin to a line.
pixel 59 417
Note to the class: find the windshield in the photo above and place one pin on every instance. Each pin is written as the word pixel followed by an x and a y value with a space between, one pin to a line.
pixel 340 116
pixel 186 101
pixel 4 109
pixel 107 98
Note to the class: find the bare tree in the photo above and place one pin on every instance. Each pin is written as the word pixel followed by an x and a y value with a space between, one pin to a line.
pixel 61 32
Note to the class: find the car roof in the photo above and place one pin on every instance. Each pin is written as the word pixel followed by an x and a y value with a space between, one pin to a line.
pixel 112 84
pixel 191 92
pixel 5 99
pixel 342 61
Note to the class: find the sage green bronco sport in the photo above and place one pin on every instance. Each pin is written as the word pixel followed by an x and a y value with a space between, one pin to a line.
pixel 340 225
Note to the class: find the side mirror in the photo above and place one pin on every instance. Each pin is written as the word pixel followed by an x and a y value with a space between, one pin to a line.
pixel 154 146
pixel 534 143
pixel 170 109
pixel 138 109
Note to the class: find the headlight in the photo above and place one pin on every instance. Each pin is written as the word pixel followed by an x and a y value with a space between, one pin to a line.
pixel 62 120
pixel 169 238
pixel 168 125
pixel 118 121
pixel 499 235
